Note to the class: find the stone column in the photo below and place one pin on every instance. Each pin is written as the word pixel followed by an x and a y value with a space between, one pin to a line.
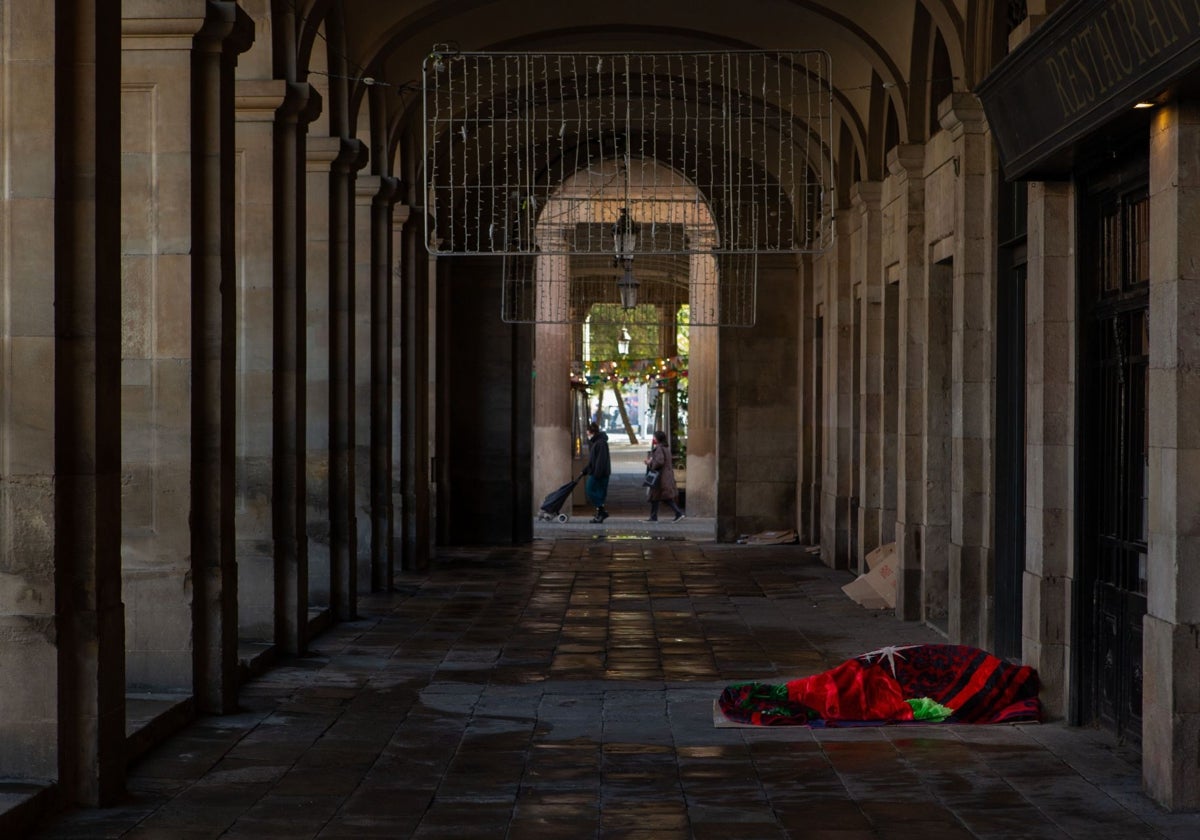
pixel 257 102
pixel 29 342
pixel 397 453
pixel 319 322
pixel 227 32
pixel 428 313
pixel 836 481
pixel 551 368
pixel 757 409
pixel 343 391
pixel 905 208
pixel 414 399
pixel 703 280
pixel 1171 653
pixel 373 374
pixel 156 345
pixel 290 362
pixel 872 474
pixel 1049 440
pixel 972 372
pixel 934 435
pixel 808 448
pixel 61 617
pixel 366 188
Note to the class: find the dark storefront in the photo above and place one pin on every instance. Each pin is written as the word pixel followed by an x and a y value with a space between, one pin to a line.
pixel 1074 102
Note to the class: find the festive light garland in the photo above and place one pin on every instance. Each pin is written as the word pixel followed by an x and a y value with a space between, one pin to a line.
pixel 624 371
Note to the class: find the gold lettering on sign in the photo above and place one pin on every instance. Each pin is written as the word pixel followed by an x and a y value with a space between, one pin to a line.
pixel 1125 60
pixel 1090 94
pixel 1135 35
pixel 1181 17
pixel 1120 41
pixel 1157 33
pixel 1068 106
pixel 1107 56
pixel 1088 37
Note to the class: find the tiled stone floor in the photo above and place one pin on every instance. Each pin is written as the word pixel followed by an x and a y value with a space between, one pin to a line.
pixel 564 690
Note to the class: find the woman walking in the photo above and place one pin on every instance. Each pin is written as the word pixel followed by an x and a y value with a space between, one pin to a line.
pixel 663 489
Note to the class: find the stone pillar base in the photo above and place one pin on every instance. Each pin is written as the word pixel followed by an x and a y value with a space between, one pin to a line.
pixel 908 560
pixel 870 523
pixel 1171 714
pixel 701 485
pixel 1044 642
pixel 551 460
pixel 835 531
pixel 968 564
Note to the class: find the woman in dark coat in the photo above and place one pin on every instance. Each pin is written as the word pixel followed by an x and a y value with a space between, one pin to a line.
pixel 664 489
pixel 598 469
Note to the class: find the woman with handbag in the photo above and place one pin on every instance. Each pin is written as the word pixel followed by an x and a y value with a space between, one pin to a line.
pixel 660 478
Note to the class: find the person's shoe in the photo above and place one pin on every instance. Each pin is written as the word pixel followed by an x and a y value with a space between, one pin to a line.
pixel 679 516
pixel 652 519
pixel 597 519
pixel 603 514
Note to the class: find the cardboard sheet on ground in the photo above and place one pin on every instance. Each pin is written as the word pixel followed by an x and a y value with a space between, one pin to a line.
pixel 876 589
pixel 784 537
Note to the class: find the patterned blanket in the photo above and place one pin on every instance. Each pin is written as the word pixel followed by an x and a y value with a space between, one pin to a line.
pixel 896 684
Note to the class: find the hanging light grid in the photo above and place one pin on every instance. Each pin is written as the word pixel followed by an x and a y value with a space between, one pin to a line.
pixel 714 156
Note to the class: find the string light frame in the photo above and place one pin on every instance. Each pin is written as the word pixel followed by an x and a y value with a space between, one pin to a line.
pixel 536 155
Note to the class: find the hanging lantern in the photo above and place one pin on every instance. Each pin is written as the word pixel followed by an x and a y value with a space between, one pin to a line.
pixel 624 243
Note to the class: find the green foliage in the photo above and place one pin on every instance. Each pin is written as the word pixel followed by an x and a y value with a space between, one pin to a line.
pixel 607 320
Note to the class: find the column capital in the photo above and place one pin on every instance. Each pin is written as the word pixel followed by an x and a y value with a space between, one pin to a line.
pixel 146 26
pixel 264 100
pixel 551 239
pixel 366 187
pixel 400 216
pixel 907 159
pixel 352 155
pixel 257 100
pixel 301 103
pixel 866 195
pixel 961 113
pixel 321 152
pixel 226 28
pixel 701 238
pixel 369 189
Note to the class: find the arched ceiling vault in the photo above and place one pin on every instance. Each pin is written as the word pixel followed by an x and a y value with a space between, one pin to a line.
pixel 870 42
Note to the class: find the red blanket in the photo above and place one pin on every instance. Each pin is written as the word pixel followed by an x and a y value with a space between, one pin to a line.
pixel 898 684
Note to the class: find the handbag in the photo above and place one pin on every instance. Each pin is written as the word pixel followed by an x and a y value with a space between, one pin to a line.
pixel 651 478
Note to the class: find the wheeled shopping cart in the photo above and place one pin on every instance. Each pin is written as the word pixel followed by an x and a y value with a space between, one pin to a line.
pixel 553 503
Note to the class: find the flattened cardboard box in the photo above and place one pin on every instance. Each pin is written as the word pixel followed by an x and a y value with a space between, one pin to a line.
pixel 876 590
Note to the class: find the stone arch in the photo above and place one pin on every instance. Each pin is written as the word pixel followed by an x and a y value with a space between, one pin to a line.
pixel 988 26
pixel 554 340
pixel 953 30
pixel 933 76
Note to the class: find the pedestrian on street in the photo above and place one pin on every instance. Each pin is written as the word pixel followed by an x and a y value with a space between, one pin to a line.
pixel 598 470
pixel 663 489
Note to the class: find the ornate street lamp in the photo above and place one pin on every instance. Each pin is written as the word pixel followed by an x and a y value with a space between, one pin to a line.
pixel 624 243
pixel 623 342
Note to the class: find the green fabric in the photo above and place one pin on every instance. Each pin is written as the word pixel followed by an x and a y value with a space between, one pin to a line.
pixel 923 708
pixel 756 694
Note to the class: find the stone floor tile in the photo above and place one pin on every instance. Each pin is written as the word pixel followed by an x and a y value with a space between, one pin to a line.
pixel 565 690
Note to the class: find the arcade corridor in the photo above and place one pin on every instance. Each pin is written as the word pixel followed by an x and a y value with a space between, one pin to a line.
pixel 565 690
pixel 305 306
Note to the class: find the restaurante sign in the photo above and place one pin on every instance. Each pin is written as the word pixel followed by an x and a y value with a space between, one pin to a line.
pixel 1088 62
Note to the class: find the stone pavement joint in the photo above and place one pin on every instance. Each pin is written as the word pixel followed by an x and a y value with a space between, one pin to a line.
pixel 565 689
